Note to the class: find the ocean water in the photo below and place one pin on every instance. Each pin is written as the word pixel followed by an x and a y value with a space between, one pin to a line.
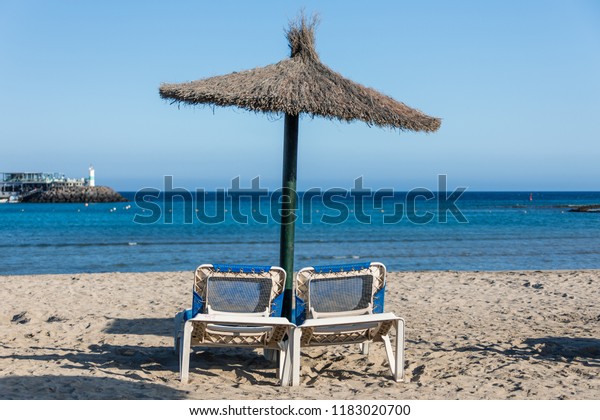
pixel 494 231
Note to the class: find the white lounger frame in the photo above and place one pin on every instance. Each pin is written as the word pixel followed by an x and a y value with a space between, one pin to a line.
pixel 338 328
pixel 228 329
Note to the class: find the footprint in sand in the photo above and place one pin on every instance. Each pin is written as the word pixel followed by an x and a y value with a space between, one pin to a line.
pixel 20 318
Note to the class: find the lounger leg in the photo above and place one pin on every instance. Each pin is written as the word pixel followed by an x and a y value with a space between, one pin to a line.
pixel 399 373
pixel 280 358
pixel 180 350
pixel 364 347
pixel 285 362
pixel 396 360
pixel 295 335
pixel 390 354
pixel 184 364
pixel 178 331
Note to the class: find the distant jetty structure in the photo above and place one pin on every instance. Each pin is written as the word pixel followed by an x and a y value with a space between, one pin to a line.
pixel 41 187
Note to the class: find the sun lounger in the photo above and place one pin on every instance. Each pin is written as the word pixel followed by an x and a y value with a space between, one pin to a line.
pixel 235 306
pixel 343 304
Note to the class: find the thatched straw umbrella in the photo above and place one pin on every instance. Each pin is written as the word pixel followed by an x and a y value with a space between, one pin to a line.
pixel 298 85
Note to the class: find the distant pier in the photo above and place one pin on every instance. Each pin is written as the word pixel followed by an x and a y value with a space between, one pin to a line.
pixel 588 208
pixel 41 187
pixel 86 194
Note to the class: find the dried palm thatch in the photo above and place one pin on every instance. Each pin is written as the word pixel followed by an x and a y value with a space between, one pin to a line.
pixel 298 85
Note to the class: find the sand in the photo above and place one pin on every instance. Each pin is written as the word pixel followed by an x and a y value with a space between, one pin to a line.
pixel 470 335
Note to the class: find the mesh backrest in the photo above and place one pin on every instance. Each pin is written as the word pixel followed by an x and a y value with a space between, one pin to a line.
pixel 239 294
pixel 341 294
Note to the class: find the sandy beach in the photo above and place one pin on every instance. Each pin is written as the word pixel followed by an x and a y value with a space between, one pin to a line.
pixel 470 335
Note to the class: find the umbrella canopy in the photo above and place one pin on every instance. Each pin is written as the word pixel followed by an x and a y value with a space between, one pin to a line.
pixel 298 85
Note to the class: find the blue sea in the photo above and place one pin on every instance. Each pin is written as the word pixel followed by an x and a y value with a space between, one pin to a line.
pixel 492 231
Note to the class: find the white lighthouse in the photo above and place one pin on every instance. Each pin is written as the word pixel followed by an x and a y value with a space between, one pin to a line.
pixel 92 182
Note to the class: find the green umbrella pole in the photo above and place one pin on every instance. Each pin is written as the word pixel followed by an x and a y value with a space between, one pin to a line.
pixel 288 212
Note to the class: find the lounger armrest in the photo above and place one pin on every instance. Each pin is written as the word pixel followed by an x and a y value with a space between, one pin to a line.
pixel 348 320
pixel 242 320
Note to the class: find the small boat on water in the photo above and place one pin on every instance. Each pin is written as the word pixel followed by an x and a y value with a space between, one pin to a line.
pixel 12 197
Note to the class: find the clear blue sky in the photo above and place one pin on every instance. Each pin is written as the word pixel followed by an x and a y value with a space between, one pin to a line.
pixel 517 84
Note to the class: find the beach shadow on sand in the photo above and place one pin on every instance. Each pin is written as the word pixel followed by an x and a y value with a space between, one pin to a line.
pixel 57 387
pixel 138 362
pixel 551 348
pixel 245 363
pixel 572 349
pixel 104 356
pixel 141 326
